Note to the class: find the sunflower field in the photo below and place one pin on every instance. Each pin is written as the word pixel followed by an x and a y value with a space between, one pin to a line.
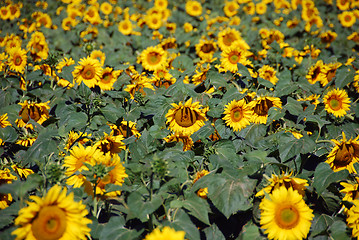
pixel 173 120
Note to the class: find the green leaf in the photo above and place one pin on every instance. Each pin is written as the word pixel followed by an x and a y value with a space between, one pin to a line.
pixel 74 120
pixel 343 77
pixel 258 156
pixel 197 207
pixel 293 106
pixel 140 208
pixel 112 113
pixel 339 230
pixel 250 232
pixel 8 134
pixel 291 146
pixel 244 71
pixel 214 233
pixel 115 230
pixel 265 83
pixel 182 222
pixel 324 176
pixel 18 189
pixel 320 224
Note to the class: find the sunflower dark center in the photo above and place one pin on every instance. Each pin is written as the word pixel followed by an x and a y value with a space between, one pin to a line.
pixel 185 117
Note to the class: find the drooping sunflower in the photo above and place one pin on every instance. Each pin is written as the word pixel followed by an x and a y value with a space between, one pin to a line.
pixel 193 8
pixel 185 139
pixel 337 102
pixel 316 72
pixel 75 163
pixel 261 107
pixel 202 192
pixel 186 118
pixel 115 176
pixel 205 49
pixel 110 144
pixel 344 154
pixel 108 78
pixel 347 19
pixel 268 73
pixel 17 59
pixel 3 121
pixel 88 71
pixel 237 114
pixel 153 58
pixel 285 215
pixel 285 179
pixel 35 111
pixel 353 218
pixel 329 73
pixel 166 233
pixel 6 178
pixel 55 216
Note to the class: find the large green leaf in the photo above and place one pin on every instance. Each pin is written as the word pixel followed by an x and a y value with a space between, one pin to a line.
pixel 214 233
pixel 182 222
pixel 197 207
pixel 324 176
pixel 115 230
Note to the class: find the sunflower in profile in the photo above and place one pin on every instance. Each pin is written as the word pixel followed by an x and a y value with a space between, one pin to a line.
pixel 237 114
pixel 285 215
pixel 193 8
pixel 21 171
pixel 351 190
pixel 205 49
pixel 268 73
pixel 17 59
pixel 316 72
pixel 115 176
pixel 88 71
pixel 108 78
pixel 6 178
pixel 110 144
pixel 329 72
pixel 337 102
pixel 261 107
pixel 55 216
pixel 344 154
pixel 185 139
pixel 186 118
pixel 286 180
pixel 153 58
pixel 353 218
pixel 202 192
pixel 38 112
pixel 166 233
pixel 3 121
pixel 74 163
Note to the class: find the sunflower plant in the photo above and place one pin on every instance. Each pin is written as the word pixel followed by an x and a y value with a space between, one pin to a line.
pixel 179 119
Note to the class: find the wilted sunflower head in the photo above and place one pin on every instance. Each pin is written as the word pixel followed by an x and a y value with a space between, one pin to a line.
pixel 35 111
pixel 186 118
pixel 344 154
pixel 261 108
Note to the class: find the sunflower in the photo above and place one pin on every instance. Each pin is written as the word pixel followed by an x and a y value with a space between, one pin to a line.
pixel 351 191
pixel 354 37
pixel 106 8
pixel 64 62
pixel 230 8
pixel 328 37
pixel 3 121
pixel 126 129
pixel 261 107
pixel 337 102
pixel 17 59
pixel 88 71
pixel 115 176
pixel 92 15
pixel 162 77
pixel 154 21
pixel 205 49
pixel 227 37
pixel 4 13
pixel 237 114
pixel 35 111
pixel 343 4
pixel 100 56
pixel 153 58
pixel 202 192
pixel 22 172
pixel 230 57
pixel 193 8
pixel 108 78
pixel 6 178
pixel 261 8
pixel 110 144
pixel 186 118
pixel 285 215
pixel 38 47
pixel 75 163
pixel 268 73
pixel 316 72
pixel 27 140
pixel 73 137
pixel 187 27
pixel 55 216
pixel 125 27
pixel 138 86
pixel 353 218
pixel 347 19
pixel 329 73
pixel 286 180
pixel 185 139
pixel 161 4
pixel 344 154
pixel 313 99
